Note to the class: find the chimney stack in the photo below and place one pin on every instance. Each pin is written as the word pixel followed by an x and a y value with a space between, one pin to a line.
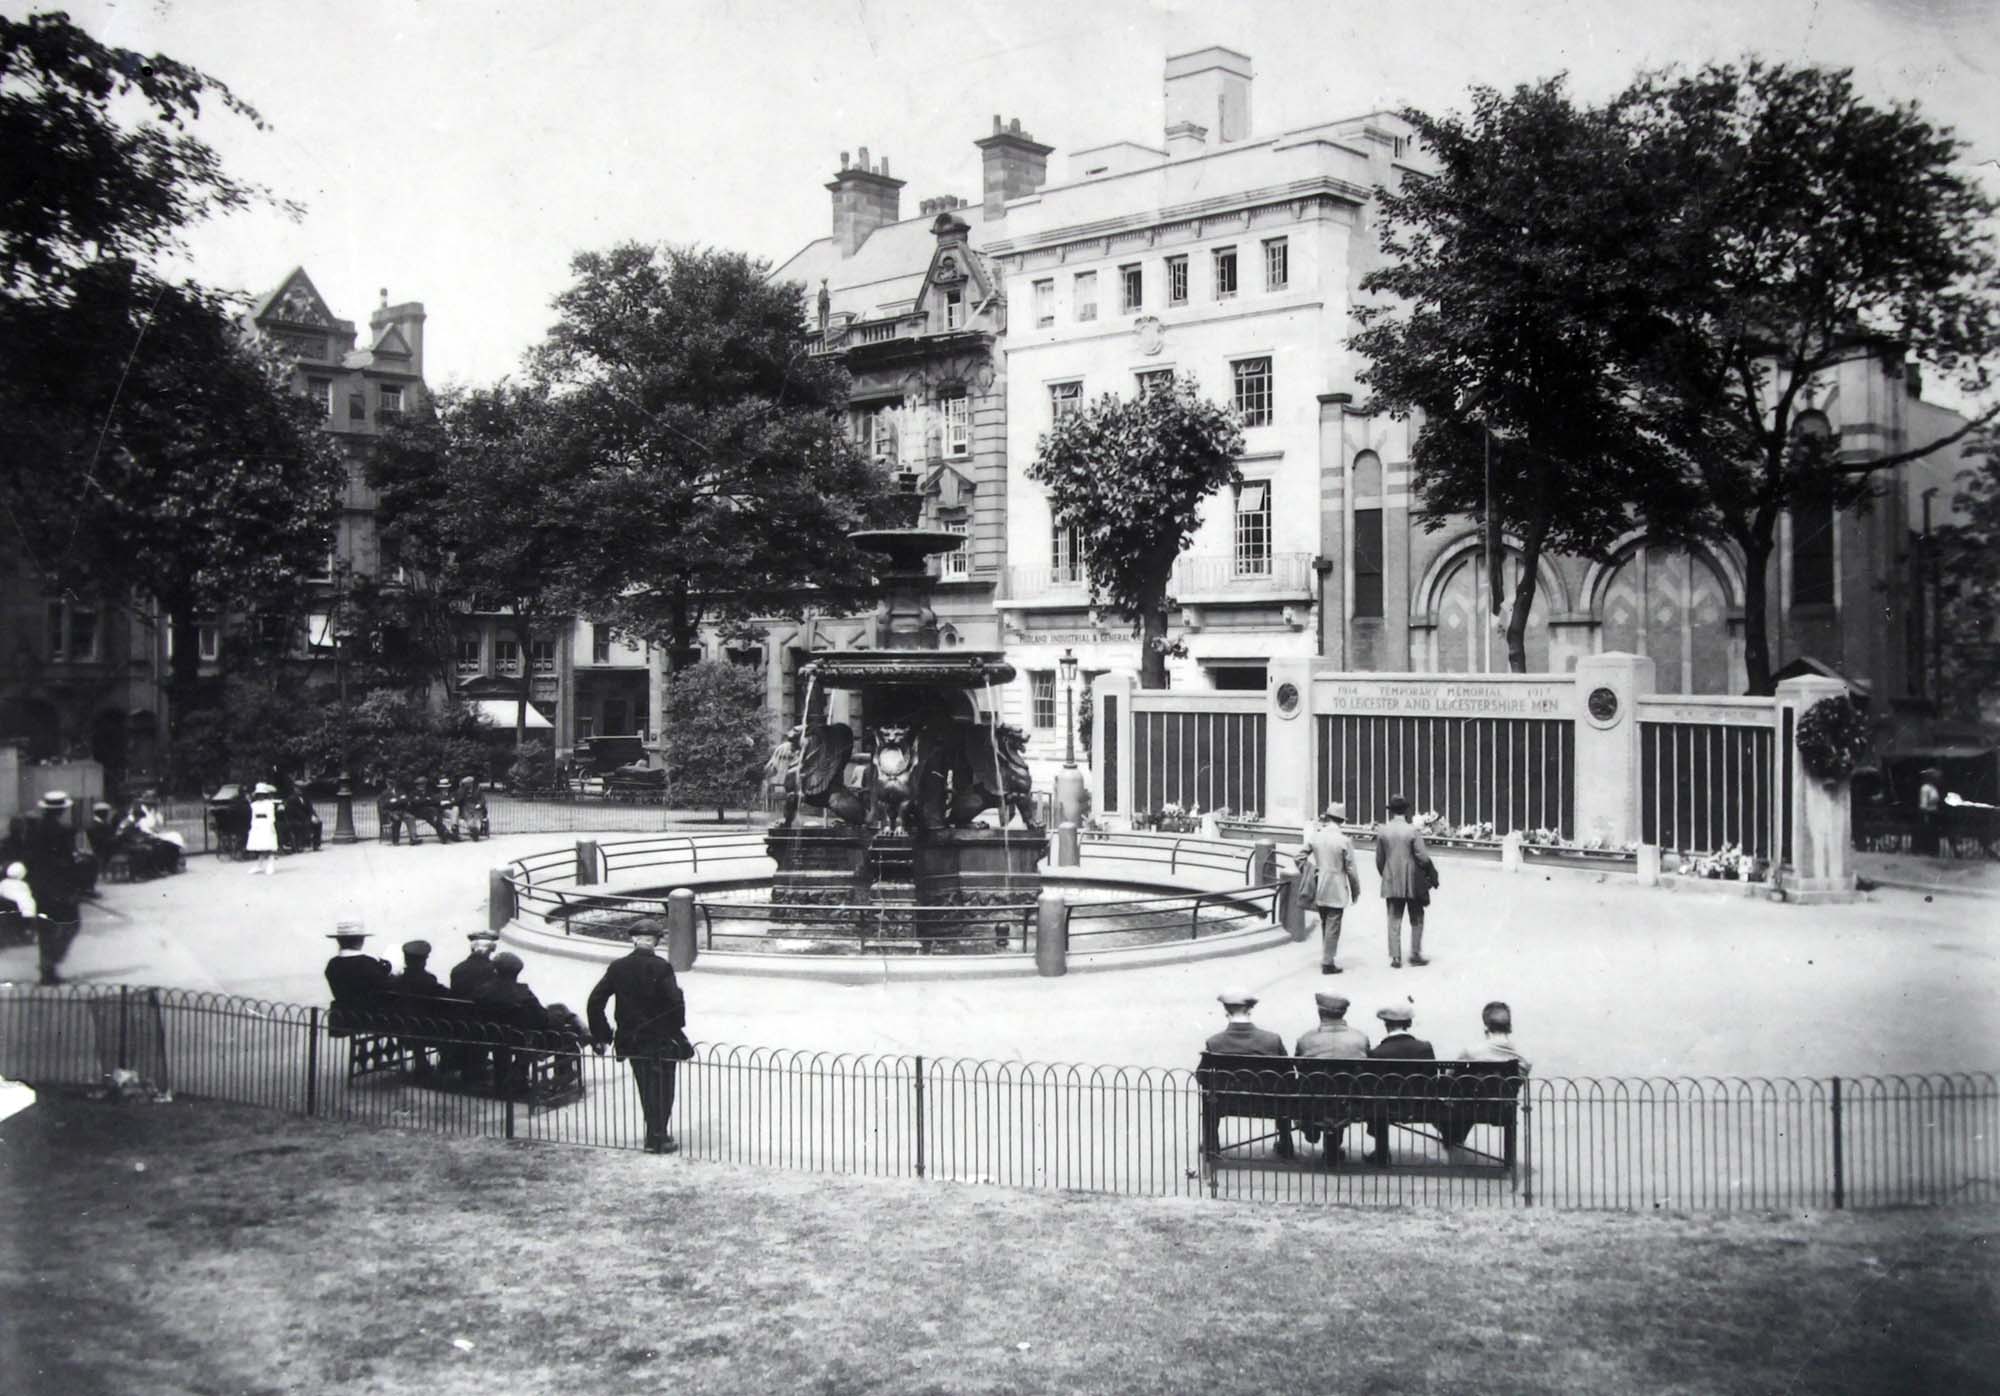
pixel 1184 138
pixel 864 199
pixel 1209 88
pixel 407 317
pixel 1014 163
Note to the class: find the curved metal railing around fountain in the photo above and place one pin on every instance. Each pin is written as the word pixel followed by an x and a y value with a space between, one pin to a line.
pixel 545 887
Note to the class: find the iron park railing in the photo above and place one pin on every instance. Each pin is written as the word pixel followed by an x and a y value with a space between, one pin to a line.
pixel 1698 1144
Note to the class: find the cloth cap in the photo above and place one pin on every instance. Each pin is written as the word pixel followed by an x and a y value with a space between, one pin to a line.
pixel 1331 1003
pixel 641 928
pixel 416 949
pixel 492 937
pixel 1397 1013
pixel 507 962
pixel 17 871
pixel 1234 998
pixel 56 799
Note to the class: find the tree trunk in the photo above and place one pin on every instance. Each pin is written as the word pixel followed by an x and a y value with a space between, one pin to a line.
pixel 1756 634
pixel 184 670
pixel 1152 629
pixel 1524 597
pixel 527 648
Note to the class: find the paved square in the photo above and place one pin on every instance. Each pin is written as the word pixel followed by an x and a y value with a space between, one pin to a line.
pixel 1605 978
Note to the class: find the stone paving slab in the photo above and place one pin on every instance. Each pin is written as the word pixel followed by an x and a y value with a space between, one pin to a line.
pixel 1605 978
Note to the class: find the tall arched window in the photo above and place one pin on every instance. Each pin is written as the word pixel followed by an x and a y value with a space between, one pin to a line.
pixel 1464 617
pixel 1367 536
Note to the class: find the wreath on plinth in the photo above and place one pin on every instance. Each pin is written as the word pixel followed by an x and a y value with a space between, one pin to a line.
pixel 1832 736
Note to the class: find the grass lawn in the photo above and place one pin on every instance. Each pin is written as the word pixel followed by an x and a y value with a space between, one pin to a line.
pixel 187 1247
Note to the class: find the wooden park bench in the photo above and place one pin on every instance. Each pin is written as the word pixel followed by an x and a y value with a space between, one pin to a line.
pixel 1327 1095
pixel 474 1040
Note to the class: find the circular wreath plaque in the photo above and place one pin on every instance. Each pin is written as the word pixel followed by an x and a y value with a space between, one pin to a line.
pixel 1288 700
pixel 1602 705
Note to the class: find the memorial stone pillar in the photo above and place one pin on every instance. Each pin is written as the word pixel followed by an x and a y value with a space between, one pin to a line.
pixel 1821 850
pixel 1608 687
pixel 1289 782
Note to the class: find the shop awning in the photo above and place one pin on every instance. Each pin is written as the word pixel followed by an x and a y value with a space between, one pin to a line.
pixel 501 712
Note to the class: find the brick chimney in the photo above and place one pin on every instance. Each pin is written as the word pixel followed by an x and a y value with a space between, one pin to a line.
pixel 1014 164
pixel 1210 87
pixel 864 199
pixel 407 317
pixel 1184 138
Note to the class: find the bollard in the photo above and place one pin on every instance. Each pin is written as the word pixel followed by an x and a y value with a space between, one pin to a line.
pixel 1649 865
pixel 1068 850
pixel 1294 908
pixel 680 929
pixel 586 862
pixel 499 899
pixel 1052 934
pixel 1510 852
pixel 1264 861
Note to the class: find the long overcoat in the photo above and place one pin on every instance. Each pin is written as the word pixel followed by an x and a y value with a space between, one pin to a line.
pixel 1399 857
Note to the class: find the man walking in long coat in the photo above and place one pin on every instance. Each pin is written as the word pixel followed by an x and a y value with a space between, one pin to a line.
pixel 651 1036
pixel 1404 865
pixel 1336 883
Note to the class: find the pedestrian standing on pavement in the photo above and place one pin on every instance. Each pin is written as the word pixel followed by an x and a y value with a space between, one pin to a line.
pixel 1336 882
pixel 652 1029
pixel 54 876
pixel 263 836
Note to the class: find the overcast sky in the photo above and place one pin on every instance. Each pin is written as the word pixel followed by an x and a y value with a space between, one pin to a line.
pixel 458 153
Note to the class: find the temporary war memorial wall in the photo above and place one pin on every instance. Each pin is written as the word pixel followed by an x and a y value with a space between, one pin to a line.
pixel 1593 759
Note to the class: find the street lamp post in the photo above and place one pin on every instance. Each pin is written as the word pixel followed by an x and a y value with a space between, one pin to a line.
pixel 1069 782
pixel 343 798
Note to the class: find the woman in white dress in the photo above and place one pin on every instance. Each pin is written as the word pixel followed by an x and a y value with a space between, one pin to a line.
pixel 263 839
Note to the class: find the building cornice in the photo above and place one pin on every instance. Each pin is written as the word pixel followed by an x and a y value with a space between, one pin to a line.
pixel 1318 189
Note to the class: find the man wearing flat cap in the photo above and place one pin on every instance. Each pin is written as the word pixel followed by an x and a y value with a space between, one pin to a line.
pixel 475 971
pixel 1332 1040
pixel 505 1002
pixel 1243 1038
pixel 1336 882
pixel 1397 1044
pixel 652 1029
pixel 416 978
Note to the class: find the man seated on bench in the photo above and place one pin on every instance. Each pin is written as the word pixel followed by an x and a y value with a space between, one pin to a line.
pixel 507 1003
pixel 358 981
pixel 1243 1038
pixel 1397 1044
pixel 1498 1020
pixel 415 981
pixel 1332 1040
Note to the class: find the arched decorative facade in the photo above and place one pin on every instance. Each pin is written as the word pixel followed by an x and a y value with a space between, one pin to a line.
pixel 1454 613
pixel 1682 609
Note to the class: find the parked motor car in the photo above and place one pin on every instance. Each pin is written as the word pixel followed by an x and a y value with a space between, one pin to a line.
pixel 600 756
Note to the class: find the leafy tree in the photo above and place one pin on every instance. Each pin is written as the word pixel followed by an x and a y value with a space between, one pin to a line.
pixel 399 736
pixel 482 490
pixel 718 737
pixel 1130 476
pixel 180 468
pixel 1504 301
pixel 721 484
pixel 1967 567
pixel 99 189
pixel 149 449
pixel 1799 228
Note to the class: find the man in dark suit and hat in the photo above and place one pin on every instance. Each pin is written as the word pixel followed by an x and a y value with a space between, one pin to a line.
pixel 1405 868
pixel 1243 1038
pixel 468 977
pixel 1397 1044
pixel 652 1029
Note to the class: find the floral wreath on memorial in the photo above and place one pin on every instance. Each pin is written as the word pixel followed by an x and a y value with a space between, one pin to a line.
pixel 1832 737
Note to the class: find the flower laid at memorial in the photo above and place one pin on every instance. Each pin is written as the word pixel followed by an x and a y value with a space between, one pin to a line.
pixel 1729 864
pixel 1832 737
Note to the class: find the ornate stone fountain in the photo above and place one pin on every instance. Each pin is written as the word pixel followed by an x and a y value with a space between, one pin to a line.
pixel 921 755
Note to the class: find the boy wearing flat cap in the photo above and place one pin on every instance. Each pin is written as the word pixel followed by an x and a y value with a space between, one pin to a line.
pixel 416 977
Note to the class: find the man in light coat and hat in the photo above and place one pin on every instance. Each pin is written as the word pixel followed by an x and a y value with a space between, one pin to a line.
pixel 1336 882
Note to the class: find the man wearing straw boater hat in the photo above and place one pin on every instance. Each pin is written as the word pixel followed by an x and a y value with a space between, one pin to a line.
pixel 652 1028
